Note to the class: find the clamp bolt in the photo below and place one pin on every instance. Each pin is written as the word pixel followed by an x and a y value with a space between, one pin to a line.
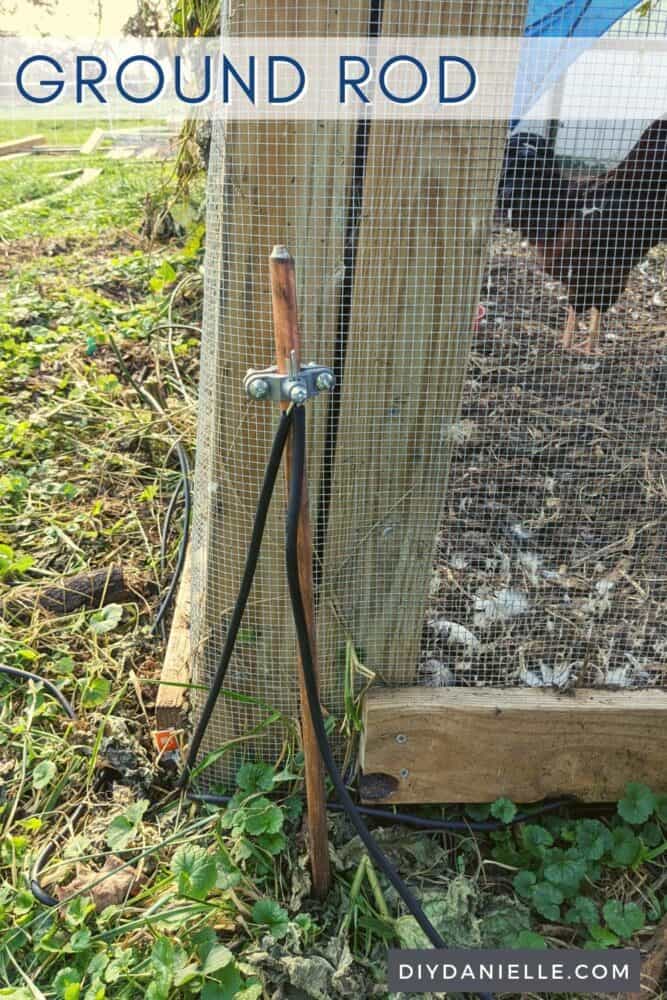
pixel 298 394
pixel 324 381
pixel 259 388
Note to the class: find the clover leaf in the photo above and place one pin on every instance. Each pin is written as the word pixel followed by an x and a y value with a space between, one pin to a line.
pixel 637 804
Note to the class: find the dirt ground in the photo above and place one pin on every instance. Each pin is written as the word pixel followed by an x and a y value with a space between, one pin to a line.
pixel 552 565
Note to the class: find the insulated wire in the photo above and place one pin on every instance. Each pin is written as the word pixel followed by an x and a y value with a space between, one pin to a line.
pixel 289 419
pixel 166 525
pixel 55 692
pixel 41 894
pixel 344 313
pixel 292 563
pixel 426 824
pixel 270 474
pixel 407 819
pixel 346 804
pixel 333 402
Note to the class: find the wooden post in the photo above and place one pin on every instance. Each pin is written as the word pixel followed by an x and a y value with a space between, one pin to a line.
pixel 270 182
pixel 428 196
pixel 288 352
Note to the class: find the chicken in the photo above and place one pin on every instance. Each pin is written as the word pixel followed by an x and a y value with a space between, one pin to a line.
pixel 645 166
pixel 589 235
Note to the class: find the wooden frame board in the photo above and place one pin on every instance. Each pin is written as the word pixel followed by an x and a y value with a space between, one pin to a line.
pixel 172 697
pixel 477 744
pixel 19 145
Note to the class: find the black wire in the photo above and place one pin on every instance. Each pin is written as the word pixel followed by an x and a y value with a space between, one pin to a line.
pixel 310 680
pixel 273 466
pixel 346 803
pixel 55 692
pixel 41 894
pixel 427 823
pixel 355 197
pixel 166 525
pixel 424 823
pixel 271 471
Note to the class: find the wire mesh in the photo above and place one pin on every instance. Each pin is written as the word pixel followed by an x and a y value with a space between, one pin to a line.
pixel 488 501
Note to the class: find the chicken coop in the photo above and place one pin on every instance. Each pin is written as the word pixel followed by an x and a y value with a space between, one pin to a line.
pixel 488 478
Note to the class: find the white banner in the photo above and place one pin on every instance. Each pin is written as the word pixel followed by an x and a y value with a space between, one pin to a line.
pixel 331 78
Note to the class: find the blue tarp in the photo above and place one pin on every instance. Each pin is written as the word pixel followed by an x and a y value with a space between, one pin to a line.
pixel 574 18
pixel 570 19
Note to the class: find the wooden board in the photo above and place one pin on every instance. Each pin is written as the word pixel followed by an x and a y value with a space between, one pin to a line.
pixel 475 745
pixel 93 141
pixel 74 172
pixel 123 153
pixel 172 696
pixel 86 176
pixel 55 150
pixel 17 145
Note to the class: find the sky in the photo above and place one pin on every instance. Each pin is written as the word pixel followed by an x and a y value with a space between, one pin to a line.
pixel 69 18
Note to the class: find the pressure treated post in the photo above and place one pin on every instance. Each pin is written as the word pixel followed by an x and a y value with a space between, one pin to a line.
pixel 269 182
pixel 424 236
pixel 288 355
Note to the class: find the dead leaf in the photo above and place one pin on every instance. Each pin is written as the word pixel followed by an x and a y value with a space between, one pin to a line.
pixel 118 884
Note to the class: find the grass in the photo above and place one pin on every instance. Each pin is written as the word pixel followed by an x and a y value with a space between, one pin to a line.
pixel 65 133
pixel 163 899
pixel 108 206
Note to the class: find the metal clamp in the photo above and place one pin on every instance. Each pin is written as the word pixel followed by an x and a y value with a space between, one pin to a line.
pixel 294 387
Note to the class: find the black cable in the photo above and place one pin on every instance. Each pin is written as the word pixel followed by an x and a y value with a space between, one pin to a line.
pixel 271 471
pixel 55 692
pixel 40 894
pixel 273 466
pixel 292 563
pixel 346 803
pixel 166 525
pixel 355 197
pixel 426 824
